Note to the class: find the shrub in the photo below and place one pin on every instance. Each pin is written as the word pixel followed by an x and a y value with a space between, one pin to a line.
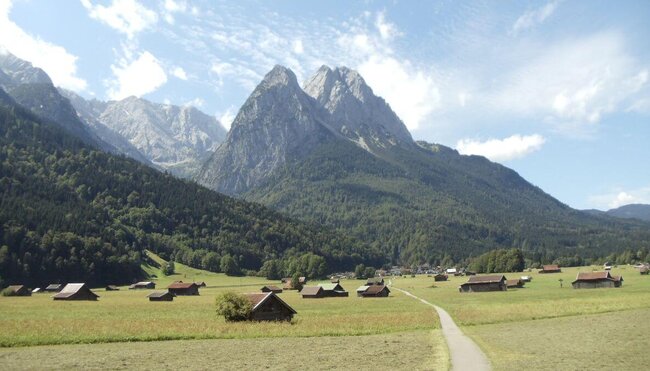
pixel 233 306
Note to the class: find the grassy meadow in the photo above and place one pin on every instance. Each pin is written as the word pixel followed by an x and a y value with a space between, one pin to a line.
pixel 127 315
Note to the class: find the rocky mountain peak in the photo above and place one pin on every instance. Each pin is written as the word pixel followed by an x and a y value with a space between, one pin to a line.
pixel 279 76
pixel 20 71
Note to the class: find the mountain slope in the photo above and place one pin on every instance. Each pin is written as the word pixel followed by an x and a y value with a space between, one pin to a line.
pixel 415 201
pixel 71 213
pixel 638 211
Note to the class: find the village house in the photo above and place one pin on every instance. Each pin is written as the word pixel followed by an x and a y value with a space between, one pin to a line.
pixel 185 289
pixel 515 283
pixel 484 283
pixel 271 288
pixel 440 277
pixel 593 280
pixel 269 307
pixel 18 290
pixel 375 291
pixel 161 296
pixel 333 290
pixel 312 292
pixel 552 268
pixel 145 285
pixel 75 291
pixel 54 287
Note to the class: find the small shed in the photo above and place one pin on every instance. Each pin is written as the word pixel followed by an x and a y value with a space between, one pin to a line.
pixel 526 278
pixel 551 268
pixel 361 290
pixel 451 271
pixel 594 280
pixel 183 289
pixel 312 292
pixel 75 291
pixel 515 283
pixel 376 291
pixel 201 284
pixel 484 283
pixel 440 277
pixel 54 287
pixel 375 281
pixel 271 288
pixel 333 290
pixel 17 290
pixel 334 280
pixel 112 288
pixel 269 307
pixel 644 270
pixel 144 285
pixel 161 296
pixel 302 280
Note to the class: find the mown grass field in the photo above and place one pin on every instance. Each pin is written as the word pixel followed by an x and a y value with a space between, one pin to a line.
pixel 543 326
pixel 127 315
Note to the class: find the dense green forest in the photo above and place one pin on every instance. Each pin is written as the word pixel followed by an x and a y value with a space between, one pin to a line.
pixel 428 204
pixel 69 212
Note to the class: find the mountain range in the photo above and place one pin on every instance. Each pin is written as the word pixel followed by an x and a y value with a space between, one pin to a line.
pixel 631 211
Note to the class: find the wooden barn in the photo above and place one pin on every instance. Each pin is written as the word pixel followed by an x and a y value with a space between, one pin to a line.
pixel 17 290
pixel 54 287
pixel 269 307
pixel 361 290
pixel 75 291
pixel 146 285
pixel 594 280
pixel 484 283
pixel 376 291
pixel 334 280
pixel 271 288
pixel 526 278
pixel 312 292
pixel 440 277
pixel 180 288
pixel 552 268
pixel 515 283
pixel 161 296
pixel 333 290
pixel 375 281
pixel 112 288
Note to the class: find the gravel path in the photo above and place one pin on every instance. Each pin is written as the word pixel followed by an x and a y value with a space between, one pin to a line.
pixel 465 354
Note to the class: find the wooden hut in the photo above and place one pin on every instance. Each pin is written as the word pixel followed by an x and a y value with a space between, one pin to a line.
pixel 515 283
pixel 375 281
pixel 361 290
pixel 376 291
pixel 526 278
pixel 440 277
pixel 201 284
pixel 334 280
pixel 269 307
pixel 551 268
pixel 593 280
pixel 75 291
pixel 54 287
pixel 112 288
pixel 333 290
pixel 312 292
pixel 161 296
pixel 183 289
pixel 271 288
pixel 145 285
pixel 17 290
pixel 484 283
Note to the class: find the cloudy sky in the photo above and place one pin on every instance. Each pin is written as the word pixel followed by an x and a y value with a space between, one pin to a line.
pixel 557 90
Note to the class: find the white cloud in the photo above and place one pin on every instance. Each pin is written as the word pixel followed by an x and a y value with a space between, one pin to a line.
pixel 126 16
pixel 226 118
pixel 138 77
pixel 387 30
pixel 196 102
pixel 515 146
pixel 298 47
pixel 535 17
pixel 171 6
pixel 180 73
pixel 620 197
pixel 57 62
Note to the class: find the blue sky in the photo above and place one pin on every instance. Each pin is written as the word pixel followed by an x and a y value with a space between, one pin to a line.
pixel 557 90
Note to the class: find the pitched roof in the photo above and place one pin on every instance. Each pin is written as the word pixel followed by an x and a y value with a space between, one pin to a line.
pixel 258 299
pixel 271 287
pixel 331 287
pixel 485 279
pixel 73 288
pixel 311 290
pixel 514 282
pixel 160 294
pixel 181 285
pixel 15 288
pixel 550 267
pixel 53 286
pixel 363 288
pixel 375 289
pixel 593 276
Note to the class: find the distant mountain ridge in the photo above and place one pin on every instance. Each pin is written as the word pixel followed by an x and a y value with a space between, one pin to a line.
pixel 335 153
pixel 636 211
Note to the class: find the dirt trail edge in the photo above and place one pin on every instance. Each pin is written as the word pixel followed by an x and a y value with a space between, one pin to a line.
pixel 465 354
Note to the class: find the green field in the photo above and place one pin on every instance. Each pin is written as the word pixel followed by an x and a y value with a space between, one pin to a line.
pixel 518 329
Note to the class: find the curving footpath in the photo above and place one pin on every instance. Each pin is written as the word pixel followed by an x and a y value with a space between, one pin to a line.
pixel 465 354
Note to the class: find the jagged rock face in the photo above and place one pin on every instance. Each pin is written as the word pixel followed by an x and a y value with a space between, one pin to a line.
pixel 355 111
pixel 278 122
pixel 178 139
pixel 22 72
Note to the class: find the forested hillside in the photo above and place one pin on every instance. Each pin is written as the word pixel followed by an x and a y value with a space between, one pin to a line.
pixel 69 212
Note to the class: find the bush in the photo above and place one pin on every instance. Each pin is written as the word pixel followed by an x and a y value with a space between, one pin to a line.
pixel 295 281
pixel 233 306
